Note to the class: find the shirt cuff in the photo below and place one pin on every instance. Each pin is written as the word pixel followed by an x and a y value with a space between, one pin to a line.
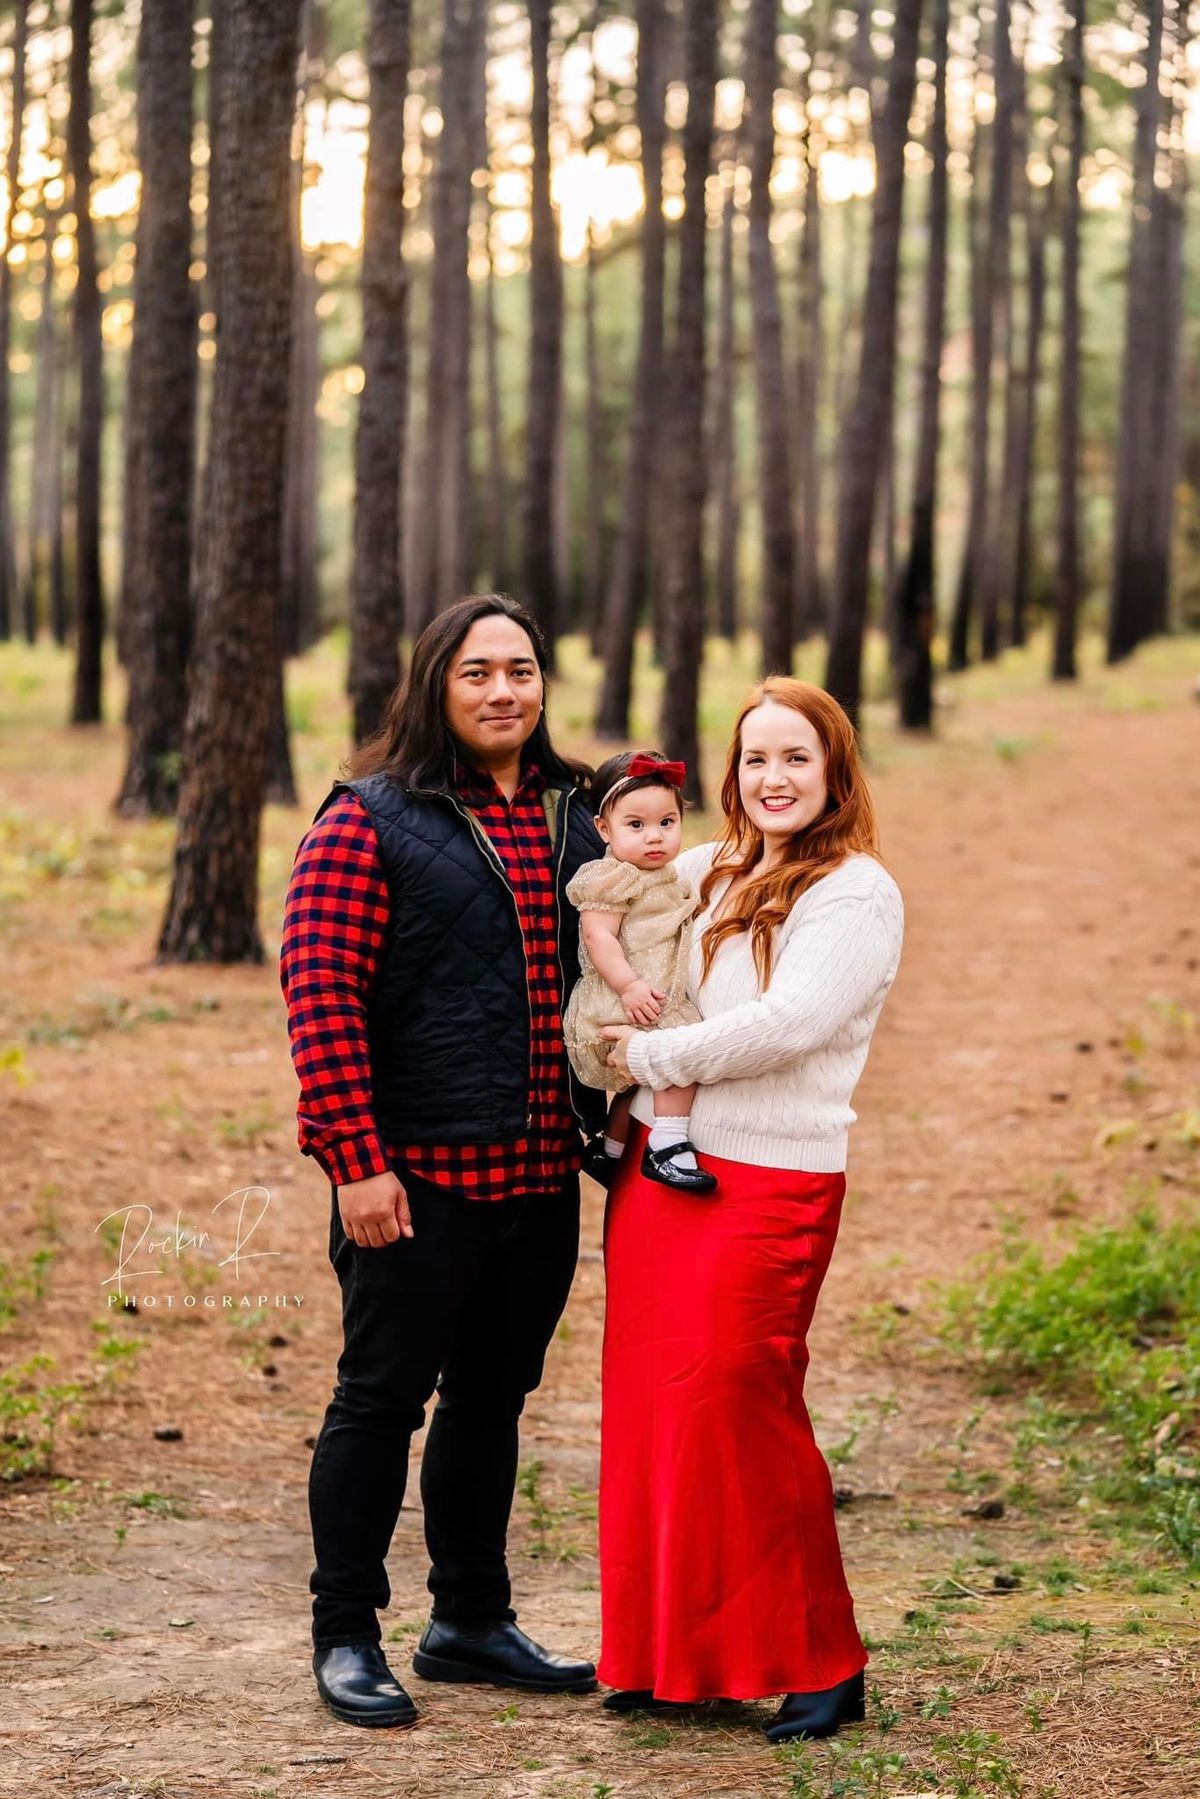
pixel 637 1054
pixel 352 1159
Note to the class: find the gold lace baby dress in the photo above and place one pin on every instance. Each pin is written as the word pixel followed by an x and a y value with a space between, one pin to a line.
pixel 655 934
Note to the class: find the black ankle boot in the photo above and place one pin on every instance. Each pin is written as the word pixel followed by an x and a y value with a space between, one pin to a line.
pixel 357 1685
pixel 819 1714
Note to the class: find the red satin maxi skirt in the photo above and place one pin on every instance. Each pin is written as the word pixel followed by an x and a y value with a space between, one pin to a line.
pixel 720 1570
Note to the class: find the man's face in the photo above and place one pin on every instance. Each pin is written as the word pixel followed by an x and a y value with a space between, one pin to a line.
pixel 492 699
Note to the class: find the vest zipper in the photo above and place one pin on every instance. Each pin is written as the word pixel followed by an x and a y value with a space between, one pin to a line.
pixel 492 856
pixel 562 998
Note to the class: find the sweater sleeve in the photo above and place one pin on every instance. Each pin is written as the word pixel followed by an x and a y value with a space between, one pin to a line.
pixel 335 923
pixel 840 957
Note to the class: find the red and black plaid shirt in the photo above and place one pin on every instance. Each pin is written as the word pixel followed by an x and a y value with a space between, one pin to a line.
pixel 335 926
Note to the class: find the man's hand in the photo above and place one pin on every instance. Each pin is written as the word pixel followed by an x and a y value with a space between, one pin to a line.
pixel 618 1035
pixel 375 1212
pixel 641 1003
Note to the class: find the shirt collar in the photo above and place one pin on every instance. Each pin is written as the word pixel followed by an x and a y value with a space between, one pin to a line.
pixel 477 785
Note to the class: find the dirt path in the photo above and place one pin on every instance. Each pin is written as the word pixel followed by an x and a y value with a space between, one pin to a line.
pixel 153 1622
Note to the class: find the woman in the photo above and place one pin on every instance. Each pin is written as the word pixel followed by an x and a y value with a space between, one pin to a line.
pixel 721 1574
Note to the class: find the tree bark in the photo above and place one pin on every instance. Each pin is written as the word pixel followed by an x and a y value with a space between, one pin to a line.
pixel 986 577
pixel 545 345
pixel 376 607
pixel 914 608
pixel 301 514
pixel 631 550
pixel 1133 604
pixel 86 707
pixel 981 389
pixel 212 910
pixel 1170 199
pixel 45 522
pixel 778 579
pixel 443 548
pixel 8 559
pixel 809 373
pixel 863 433
pixel 161 418
pixel 683 585
pixel 498 561
pixel 723 449
pixel 1022 564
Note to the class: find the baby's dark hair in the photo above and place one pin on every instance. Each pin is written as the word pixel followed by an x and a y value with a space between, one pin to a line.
pixel 617 768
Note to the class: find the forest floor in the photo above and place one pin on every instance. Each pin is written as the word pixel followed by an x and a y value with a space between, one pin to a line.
pixel 1034 1075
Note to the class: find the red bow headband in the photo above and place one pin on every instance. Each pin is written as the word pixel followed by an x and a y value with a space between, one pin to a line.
pixel 672 774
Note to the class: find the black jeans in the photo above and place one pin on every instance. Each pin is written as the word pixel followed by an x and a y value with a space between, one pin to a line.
pixel 468 1306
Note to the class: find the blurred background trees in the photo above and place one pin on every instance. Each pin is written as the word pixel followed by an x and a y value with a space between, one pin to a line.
pixel 785 317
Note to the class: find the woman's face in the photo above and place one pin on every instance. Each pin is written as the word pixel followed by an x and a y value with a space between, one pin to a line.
pixel 781 772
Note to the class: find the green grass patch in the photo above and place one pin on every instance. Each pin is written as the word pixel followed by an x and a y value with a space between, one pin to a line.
pixel 1106 1343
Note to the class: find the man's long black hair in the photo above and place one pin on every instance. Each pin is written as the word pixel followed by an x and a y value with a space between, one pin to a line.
pixel 414 744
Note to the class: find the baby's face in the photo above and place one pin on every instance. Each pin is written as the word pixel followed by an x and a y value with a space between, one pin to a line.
pixel 643 827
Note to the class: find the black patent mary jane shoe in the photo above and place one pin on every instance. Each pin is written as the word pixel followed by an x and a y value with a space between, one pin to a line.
pixel 659 1165
pixel 357 1685
pixel 627 1700
pixel 498 1655
pixel 819 1714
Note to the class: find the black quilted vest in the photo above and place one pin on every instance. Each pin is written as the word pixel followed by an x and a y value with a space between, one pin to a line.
pixel 448 1018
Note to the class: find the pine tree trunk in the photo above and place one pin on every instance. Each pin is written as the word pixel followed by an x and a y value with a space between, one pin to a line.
pixel 810 365
pixel 545 345
pixel 161 418
pixel 970 568
pixel 683 584
pixel 914 608
pixel 631 550
pixel 498 562
pixel 723 443
pixel 1022 569
pixel 42 521
pixel 212 911
pixel 1171 203
pixel 376 612
pixel 985 572
pixel 86 708
pixel 863 433
pixel 301 512
pixel 778 578
pixel 8 559
pixel 1134 606
pixel 999 586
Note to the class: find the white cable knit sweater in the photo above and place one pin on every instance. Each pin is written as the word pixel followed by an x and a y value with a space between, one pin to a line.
pixel 777 1069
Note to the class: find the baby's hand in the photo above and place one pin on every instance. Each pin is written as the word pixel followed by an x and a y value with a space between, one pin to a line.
pixel 642 1003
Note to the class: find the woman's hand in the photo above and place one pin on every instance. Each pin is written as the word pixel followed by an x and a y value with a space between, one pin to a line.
pixel 618 1035
pixel 641 1003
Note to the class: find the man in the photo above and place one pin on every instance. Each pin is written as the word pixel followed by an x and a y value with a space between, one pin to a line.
pixel 428 952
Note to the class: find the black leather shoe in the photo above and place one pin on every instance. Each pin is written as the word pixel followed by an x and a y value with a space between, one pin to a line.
pixel 357 1685
pixel 598 1163
pixel 819 1714
pixel 657 1165
pixel 499 1655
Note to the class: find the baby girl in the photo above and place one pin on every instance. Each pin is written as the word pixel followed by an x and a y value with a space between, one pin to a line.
pixel 635 929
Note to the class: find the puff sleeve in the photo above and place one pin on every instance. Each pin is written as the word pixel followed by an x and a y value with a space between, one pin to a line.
pixel 604 886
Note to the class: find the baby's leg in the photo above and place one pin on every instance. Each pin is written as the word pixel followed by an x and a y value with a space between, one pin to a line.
pixel 672 1122
pixel 617 1128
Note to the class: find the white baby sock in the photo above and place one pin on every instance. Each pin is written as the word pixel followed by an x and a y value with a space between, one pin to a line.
pixel 613 1148
pixel 666 1132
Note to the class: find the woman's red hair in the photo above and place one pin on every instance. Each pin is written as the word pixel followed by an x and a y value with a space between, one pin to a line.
pixel 845 828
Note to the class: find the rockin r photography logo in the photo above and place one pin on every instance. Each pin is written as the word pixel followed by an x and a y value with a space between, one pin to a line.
pixel 177 1268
